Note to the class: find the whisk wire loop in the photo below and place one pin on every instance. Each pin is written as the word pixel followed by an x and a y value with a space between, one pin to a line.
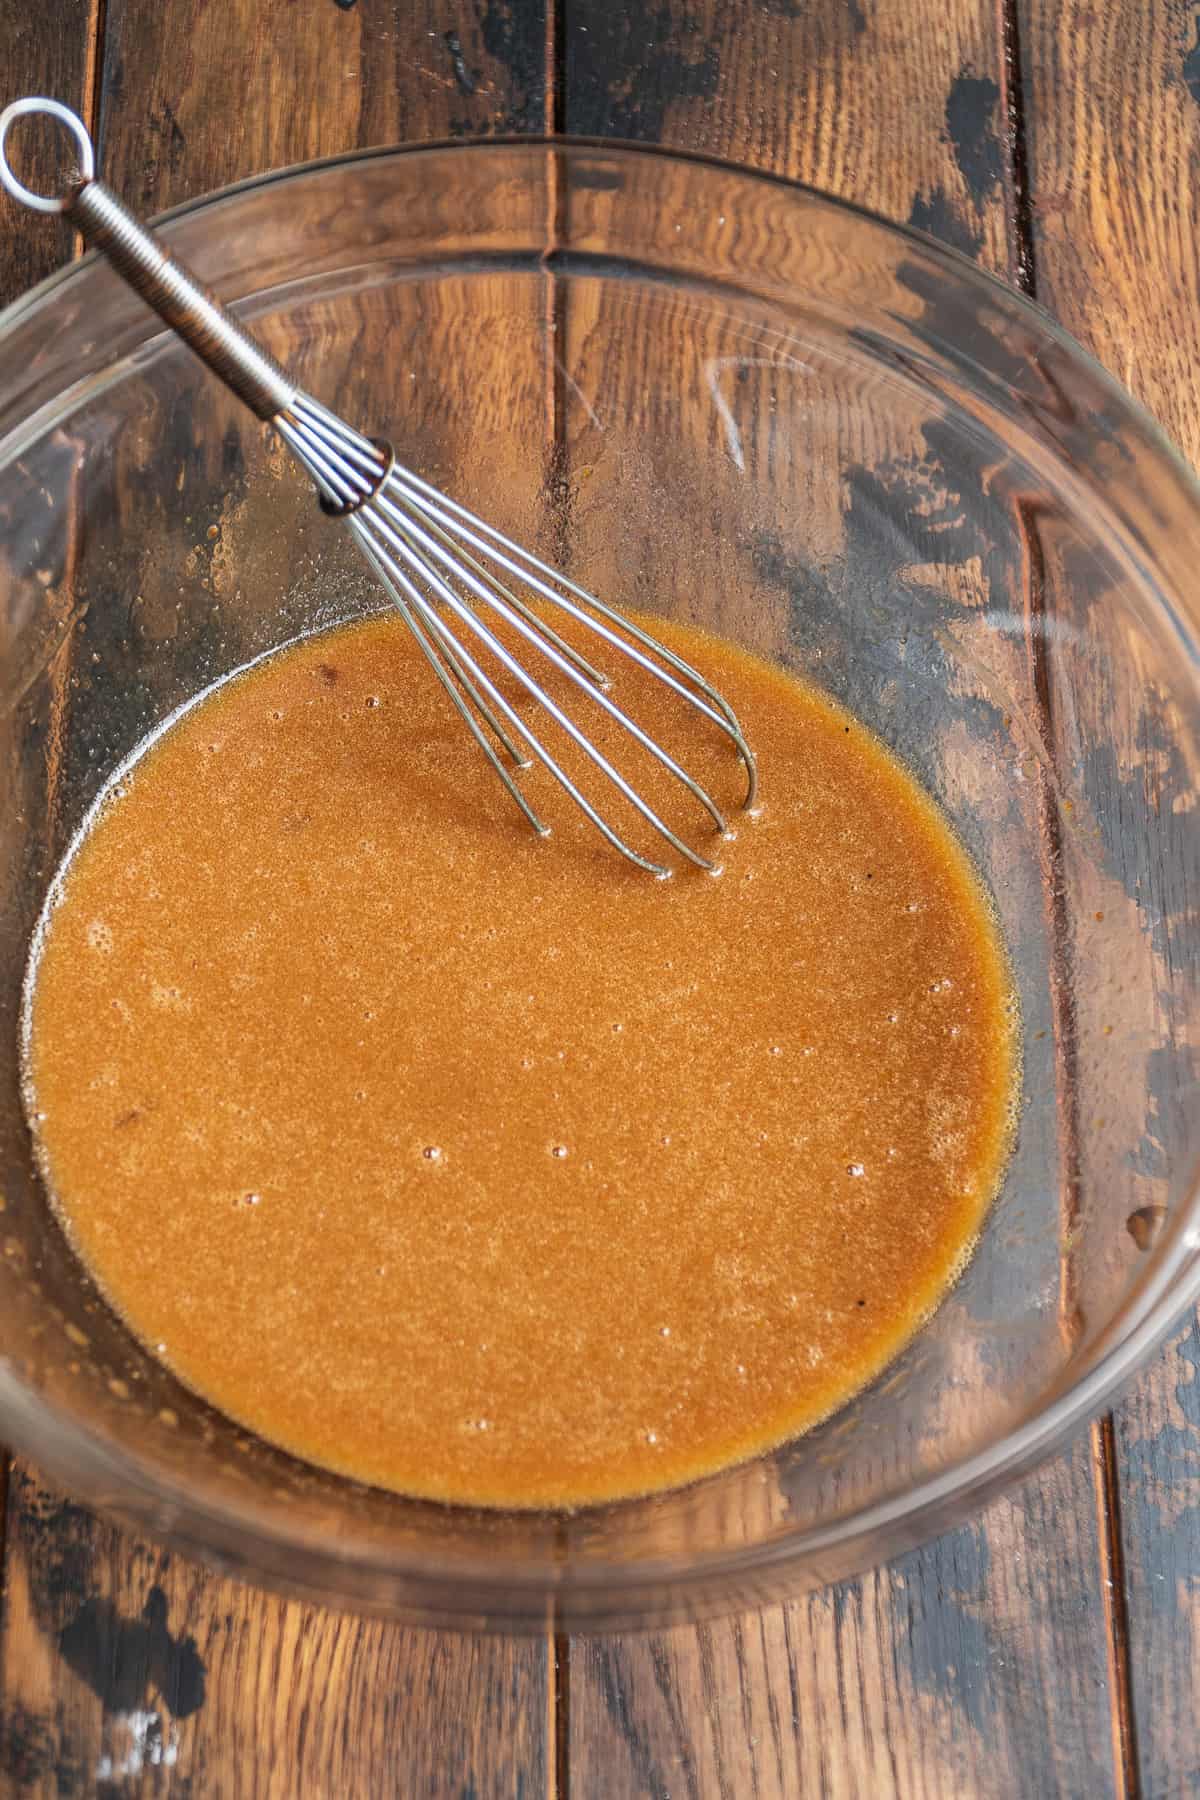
pixel 398 543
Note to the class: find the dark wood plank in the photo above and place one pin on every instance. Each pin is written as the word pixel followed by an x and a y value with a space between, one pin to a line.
pixel 265 83
pixel 1112 107
pixel 53 55
pixel 47 50
pixel 951 1672
pixel 130 1670
pixel 867 99
pixel 987 1653
pixel 121 1666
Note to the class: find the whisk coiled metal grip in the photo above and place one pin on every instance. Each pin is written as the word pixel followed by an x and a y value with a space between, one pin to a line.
pixel 446 570
pixel 181 301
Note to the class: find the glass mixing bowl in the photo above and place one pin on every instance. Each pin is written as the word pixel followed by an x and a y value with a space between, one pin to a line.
pixel 709 393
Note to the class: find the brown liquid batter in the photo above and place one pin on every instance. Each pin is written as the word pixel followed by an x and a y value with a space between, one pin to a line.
pixel 490 1169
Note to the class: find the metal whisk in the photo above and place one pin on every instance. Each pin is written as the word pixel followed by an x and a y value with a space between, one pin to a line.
pixel 451 576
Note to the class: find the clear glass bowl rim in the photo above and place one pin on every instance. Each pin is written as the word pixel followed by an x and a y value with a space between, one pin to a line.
pixel 697 1584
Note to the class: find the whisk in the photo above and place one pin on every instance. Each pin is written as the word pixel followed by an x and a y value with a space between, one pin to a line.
pixel 451 576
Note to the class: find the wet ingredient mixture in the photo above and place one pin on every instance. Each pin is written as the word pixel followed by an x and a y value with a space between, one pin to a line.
pixel 494 1170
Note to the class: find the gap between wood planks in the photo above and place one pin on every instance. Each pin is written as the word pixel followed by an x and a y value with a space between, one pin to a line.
pixel 1105 1478
pixel 93 79
pixel 558 1697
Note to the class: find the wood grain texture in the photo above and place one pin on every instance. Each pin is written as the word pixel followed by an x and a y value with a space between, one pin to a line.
pixel 49 54
pixel 952 1672
pixel 873 100
pixel 46 51
pixel 127 1670
pixel 981 1665
pixel 122 1669
pixel 198 93
pixel 1112 110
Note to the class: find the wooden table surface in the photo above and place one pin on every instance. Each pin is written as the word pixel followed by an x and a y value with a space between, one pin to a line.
pixel 1052 1645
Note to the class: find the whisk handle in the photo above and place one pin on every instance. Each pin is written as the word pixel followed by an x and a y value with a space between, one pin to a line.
pixel 179 299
